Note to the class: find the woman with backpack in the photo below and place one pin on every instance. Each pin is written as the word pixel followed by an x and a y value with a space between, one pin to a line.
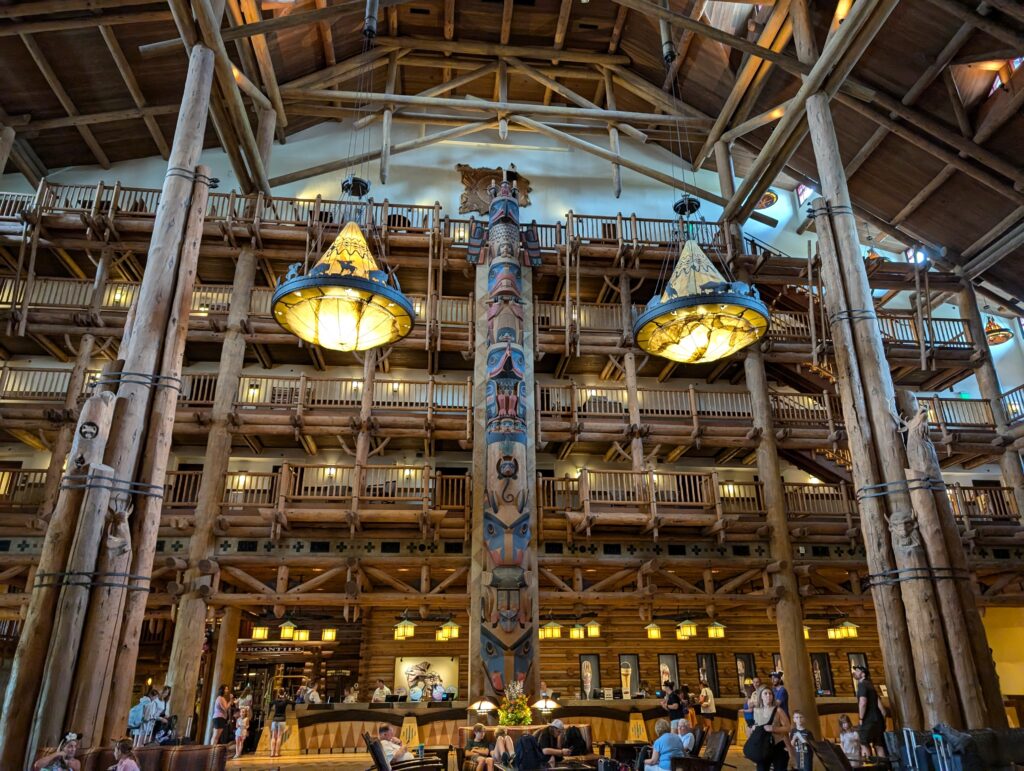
pixel 137 719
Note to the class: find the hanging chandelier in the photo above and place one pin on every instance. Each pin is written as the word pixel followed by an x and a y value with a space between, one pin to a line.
pixel 700 317
pixel 344 302
pixel 996 333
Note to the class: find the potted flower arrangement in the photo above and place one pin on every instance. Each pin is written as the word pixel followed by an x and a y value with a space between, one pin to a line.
pixel 514 709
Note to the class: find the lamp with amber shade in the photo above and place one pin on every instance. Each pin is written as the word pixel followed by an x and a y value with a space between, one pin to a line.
pixel 344 302
pixel 700 317
pixel 996 333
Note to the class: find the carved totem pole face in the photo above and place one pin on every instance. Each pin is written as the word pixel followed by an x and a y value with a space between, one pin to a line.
pixel 507 635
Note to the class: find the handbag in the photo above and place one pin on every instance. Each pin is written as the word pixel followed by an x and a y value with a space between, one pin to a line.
pixel 760 743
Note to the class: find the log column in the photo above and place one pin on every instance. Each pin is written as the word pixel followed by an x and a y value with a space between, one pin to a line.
pixel 988 384
pixel 6 143
pixel 223 662
pixel 789 614
pixel 636 442
pixel 190 625
pixel 365 431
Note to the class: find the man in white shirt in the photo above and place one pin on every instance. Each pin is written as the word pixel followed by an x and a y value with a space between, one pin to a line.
pixel 381 692
pixel 394 750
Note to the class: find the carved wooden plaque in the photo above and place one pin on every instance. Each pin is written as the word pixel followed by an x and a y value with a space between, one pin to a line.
pixel 476 181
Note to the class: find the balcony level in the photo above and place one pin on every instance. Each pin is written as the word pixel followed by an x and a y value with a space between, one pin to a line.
pixel 433 413
pixel 418 502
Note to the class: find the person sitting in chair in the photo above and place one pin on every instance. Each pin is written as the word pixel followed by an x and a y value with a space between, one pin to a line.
pixel 686 735
pixel 504 752
pixel 550 741
pixel 478 751
pixel 667 746
pixel 394 750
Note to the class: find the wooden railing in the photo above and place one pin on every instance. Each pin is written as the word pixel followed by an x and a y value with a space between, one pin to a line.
pixel 34 384
pixel 288 392
pixel 959 414
pixel 21 490
pixel 819 500
pixel 983 503
pixel 1013 404
pixel 12 205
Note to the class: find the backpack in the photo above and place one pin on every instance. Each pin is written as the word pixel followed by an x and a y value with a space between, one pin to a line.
pixel 760 743
pixel 135 716
pixel 528 754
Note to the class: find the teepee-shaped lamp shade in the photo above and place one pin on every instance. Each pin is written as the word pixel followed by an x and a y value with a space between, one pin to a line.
pixel 996 333
pixel 700 317
pixel 344 302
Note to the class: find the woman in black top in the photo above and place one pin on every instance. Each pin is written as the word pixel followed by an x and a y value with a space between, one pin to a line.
pixel 278 710
pixel 673 704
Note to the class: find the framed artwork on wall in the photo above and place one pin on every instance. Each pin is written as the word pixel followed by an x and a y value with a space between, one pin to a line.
pixel 821 673
pixel 857 660
pixel 590 674
pixel 707 670
pixel 629 674
pixel 777 663
pixel 668 670
pixel 745 671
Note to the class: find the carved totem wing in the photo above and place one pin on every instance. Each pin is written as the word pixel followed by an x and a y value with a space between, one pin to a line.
pixel 531 243
pixel 477 241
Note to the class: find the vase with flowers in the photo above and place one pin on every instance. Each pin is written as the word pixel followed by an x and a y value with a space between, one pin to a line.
pixel 514 709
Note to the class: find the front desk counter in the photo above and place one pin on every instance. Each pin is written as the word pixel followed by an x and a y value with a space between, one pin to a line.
pixel 323 728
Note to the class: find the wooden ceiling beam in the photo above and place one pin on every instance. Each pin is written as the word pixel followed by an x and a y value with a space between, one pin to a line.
pixel 617 28
pixel 473 63
pixel 413 144
pixel 86 22
pixel 482 48
pixel 62 96
pixel 570 95
pixel 326 37
pixel 639 168
pixel 963 121
pixel 132 84
pixel 45 7
pixel 376 56
pixel 744 77
pixel 302 19
pixel 760 80
pixel 481 105
pixel 90 119
pixel 989 26
pixel 506 21
pixel 251 13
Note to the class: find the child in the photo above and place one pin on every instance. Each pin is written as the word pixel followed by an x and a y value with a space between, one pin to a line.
pixel 504 752
pixel 849 739
pixel 241 730
pixel 478 751
pixel 124 754
pixel 801 739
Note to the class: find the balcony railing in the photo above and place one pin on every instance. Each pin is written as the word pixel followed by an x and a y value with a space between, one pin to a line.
pixel 21 490
pixel 1013 404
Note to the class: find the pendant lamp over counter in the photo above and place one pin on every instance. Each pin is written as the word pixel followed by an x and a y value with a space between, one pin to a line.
pixel 344 302
pixel 700 317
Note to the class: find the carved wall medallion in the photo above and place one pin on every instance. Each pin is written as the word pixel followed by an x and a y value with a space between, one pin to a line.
pixel 475 197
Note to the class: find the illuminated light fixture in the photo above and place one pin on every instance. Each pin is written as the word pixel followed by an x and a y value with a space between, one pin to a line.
pixel 716 631
pixel 593 629
pixel 287 630
pixel 344 302
pixel 545 705
pixel 483 706
pixel 260 632
pixel 577 632
pixel 329 635
pixel 770 198
pixel 849 630
pixel 301 635
pixel 439 635
pixel 405 629
pixel 873 257
pixel 685 630
pixel 653 631
pixel 700 317
pixel 551 631
pixel 451 630
pixel 807 632
pixel 996 333
pixel 254 387
pixel 149 681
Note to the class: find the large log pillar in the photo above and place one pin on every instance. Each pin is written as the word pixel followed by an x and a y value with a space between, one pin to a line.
pixel 6 143
pixel 789 613
pixel 362 450
pixel 503 570
pixel 223 664
pixel 190 625
pixel 988 384
pixel 636 442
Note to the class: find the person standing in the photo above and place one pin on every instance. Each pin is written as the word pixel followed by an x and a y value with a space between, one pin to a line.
pixel 673 704
pixel 221 710
pixel 380 693
pixel 781 694
pixel 241 730
pixel 849 739
pixel 800 738
pixel 872 716
pixel 706 699
pixel 278 712
pixel 769 716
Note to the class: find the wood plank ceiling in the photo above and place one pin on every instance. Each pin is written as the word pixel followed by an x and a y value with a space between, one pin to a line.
pixel 931 154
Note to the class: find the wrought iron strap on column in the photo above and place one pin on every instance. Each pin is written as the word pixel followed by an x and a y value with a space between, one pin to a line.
pixel 506 637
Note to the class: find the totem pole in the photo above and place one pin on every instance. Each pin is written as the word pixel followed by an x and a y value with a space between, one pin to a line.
pixel 503 622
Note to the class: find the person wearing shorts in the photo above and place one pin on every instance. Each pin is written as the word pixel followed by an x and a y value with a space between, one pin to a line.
pixel 220 713
pixel 872 718
pixel 707 705
pixel 278 712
